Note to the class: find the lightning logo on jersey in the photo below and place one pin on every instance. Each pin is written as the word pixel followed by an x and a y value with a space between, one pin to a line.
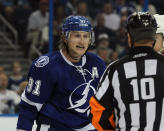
pixel 81 105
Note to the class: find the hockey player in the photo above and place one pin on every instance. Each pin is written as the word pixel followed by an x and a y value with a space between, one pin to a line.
pixel 159 46
pixel 61 83
pixel 131 88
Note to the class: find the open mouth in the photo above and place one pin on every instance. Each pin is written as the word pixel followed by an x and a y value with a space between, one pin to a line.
pixel 80 47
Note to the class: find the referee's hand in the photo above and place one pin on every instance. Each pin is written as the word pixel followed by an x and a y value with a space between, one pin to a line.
pixel 20 130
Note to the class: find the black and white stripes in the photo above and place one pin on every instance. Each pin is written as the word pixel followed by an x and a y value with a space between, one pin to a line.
pixel 139 112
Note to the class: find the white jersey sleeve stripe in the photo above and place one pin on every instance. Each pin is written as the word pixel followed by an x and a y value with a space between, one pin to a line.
pixel 117 95
pixel 103 89
pixel 25 99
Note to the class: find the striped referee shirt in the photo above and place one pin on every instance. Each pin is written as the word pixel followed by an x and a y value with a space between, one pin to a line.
pixel 130 94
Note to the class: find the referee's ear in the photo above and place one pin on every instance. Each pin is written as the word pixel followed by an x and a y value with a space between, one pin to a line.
pixel 129 40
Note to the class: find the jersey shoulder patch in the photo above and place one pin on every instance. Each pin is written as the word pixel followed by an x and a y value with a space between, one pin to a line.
pixel 42 61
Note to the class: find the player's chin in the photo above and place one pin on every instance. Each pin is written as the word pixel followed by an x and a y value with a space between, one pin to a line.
pixel 81 51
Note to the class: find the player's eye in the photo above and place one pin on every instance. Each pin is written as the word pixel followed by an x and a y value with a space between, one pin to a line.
pixel 86 36
pixel 77 35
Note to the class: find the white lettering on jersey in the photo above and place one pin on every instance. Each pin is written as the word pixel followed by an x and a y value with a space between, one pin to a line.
pixel 140 55
pixel 95 72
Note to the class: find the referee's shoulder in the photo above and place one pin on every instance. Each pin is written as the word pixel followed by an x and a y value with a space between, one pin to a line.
pixel 119 62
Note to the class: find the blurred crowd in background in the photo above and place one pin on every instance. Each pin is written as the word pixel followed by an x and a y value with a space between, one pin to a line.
pixel 31 20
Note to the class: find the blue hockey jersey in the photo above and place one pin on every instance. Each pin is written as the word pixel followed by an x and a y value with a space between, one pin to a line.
pixel 61 91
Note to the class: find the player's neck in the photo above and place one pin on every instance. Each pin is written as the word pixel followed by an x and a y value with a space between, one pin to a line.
pixel 70 57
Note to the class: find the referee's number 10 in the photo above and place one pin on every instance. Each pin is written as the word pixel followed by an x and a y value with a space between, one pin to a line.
pixel 146 90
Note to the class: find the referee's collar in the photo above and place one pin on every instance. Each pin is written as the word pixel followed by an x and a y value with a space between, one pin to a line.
pixel 141 49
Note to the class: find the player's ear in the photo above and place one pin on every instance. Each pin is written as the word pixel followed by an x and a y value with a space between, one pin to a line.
pixel 63 38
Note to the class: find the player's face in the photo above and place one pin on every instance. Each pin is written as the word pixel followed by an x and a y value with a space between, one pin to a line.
pixel 159 42
pixel 78 43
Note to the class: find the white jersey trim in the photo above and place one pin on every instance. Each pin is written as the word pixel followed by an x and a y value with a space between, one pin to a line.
pixel 44 127
pixel 70 63
pixel 86 128
pixel 25 99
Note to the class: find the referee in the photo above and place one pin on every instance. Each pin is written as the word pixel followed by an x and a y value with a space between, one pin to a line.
pixel 130 94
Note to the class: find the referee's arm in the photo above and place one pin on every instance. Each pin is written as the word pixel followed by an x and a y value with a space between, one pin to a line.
pixel 101 118
pixel 101 112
